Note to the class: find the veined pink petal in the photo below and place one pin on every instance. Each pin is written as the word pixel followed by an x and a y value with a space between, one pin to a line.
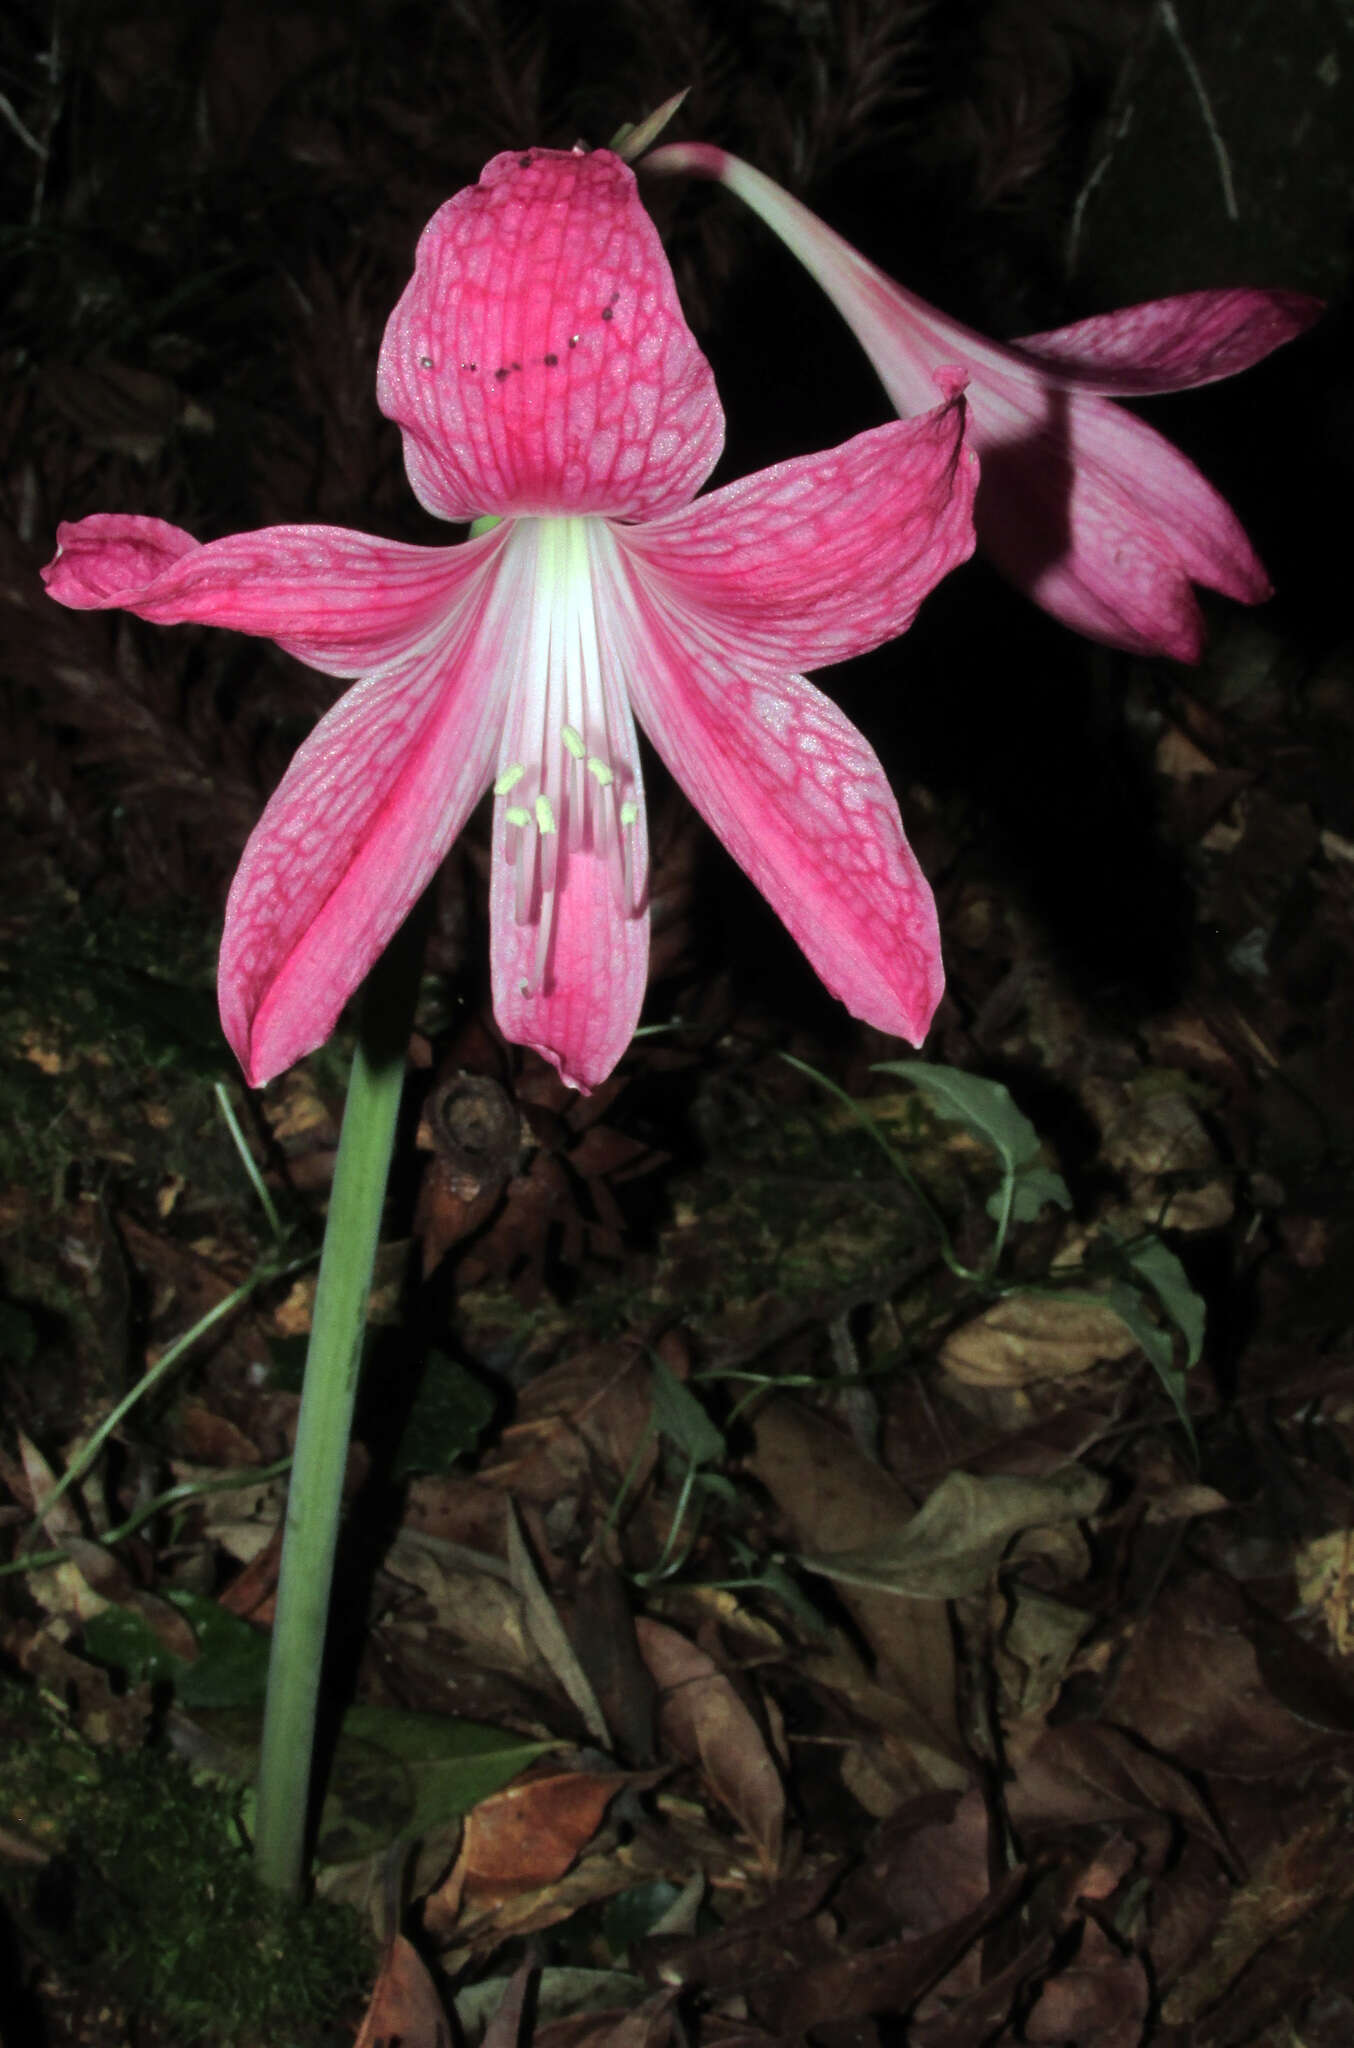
pixel 794 791
pixel 1171 344
pixel 568 906
pixel 1107 526
pixel 99 558
pixel 583 1016
pixel 539 362
pixel 342 602
pixel 827 555
pixel 1085 507
pixel 357 827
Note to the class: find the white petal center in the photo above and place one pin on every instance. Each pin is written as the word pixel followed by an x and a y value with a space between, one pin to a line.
pixel 568 784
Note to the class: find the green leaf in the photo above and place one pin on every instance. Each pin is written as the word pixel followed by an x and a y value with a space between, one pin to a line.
pixel 955 1542
pixel 983 1107
pixel 230 1670
pixel 715 1486
pixel 1161 1269
pixel 630 1915
pixel 1130 1307
pixel 1034 1186
pixel 450 1413
pixel 679 1417
pixel 398 1774
pixel 780 1585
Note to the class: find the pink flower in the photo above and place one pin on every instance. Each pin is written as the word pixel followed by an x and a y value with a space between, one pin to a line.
pixel 540 370
pixel 1090 511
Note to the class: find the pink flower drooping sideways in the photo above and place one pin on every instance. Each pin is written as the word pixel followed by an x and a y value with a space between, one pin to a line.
pixel 1083 506
pixel 540 370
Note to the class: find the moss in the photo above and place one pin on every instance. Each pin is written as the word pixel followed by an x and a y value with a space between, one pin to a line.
pixel 148 1894
pixel 791 1203
pixel 110 1040
pixel 798 1200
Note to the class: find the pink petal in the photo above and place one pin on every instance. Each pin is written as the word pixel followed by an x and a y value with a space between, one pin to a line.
pixel 1107 525
pixel 583 1016
pixel 1171 344
pixel 342 602
pixel 793 790
pixel 828 555
pixel 539 361
pixel 356 829
pixel 99 558
pixel 1087 509
pixel 1168 494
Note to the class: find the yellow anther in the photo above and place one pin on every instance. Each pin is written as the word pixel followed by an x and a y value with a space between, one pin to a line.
pixel 629 813
pixel 573 741
pixel 515 815
pixel 545 816
pixel 600 770
pixel 510 778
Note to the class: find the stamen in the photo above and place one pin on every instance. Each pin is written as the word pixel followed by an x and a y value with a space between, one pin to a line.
pixel 568 765
pixel 628 813
pixel 577 833
pixel 544 932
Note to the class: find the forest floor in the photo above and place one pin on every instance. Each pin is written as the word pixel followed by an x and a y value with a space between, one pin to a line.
pixel 756 1608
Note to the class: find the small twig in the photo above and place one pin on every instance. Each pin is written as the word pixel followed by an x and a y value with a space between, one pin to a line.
pixel 1170 21
pixel 9 113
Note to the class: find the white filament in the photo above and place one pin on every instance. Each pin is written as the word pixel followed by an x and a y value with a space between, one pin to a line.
pixel 568 753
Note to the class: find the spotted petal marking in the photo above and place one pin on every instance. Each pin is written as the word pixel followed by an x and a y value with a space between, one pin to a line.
pixel 538 361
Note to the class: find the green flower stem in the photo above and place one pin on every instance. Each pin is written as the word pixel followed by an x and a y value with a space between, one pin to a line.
pixel 333 1361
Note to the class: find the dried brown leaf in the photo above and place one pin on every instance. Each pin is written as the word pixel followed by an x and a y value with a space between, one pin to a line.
pixel 603 1632
pixel 594 1405
pixel 471 1929
pixel 505 2028
pixel 835 1498
pixel 956 1540
pixel 887 1979
pixel 647 2025
pixel 547 1632
pixel 405 2010
pixel 1036 1647
pixel 1101 1995
pixel 703 1718
pixel 1027 1337
pixel 927 1866
pixel 1191 1686
pixel 1157 1141
pixel 1089 1773
pixel 530 1833
pixel 59 1589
